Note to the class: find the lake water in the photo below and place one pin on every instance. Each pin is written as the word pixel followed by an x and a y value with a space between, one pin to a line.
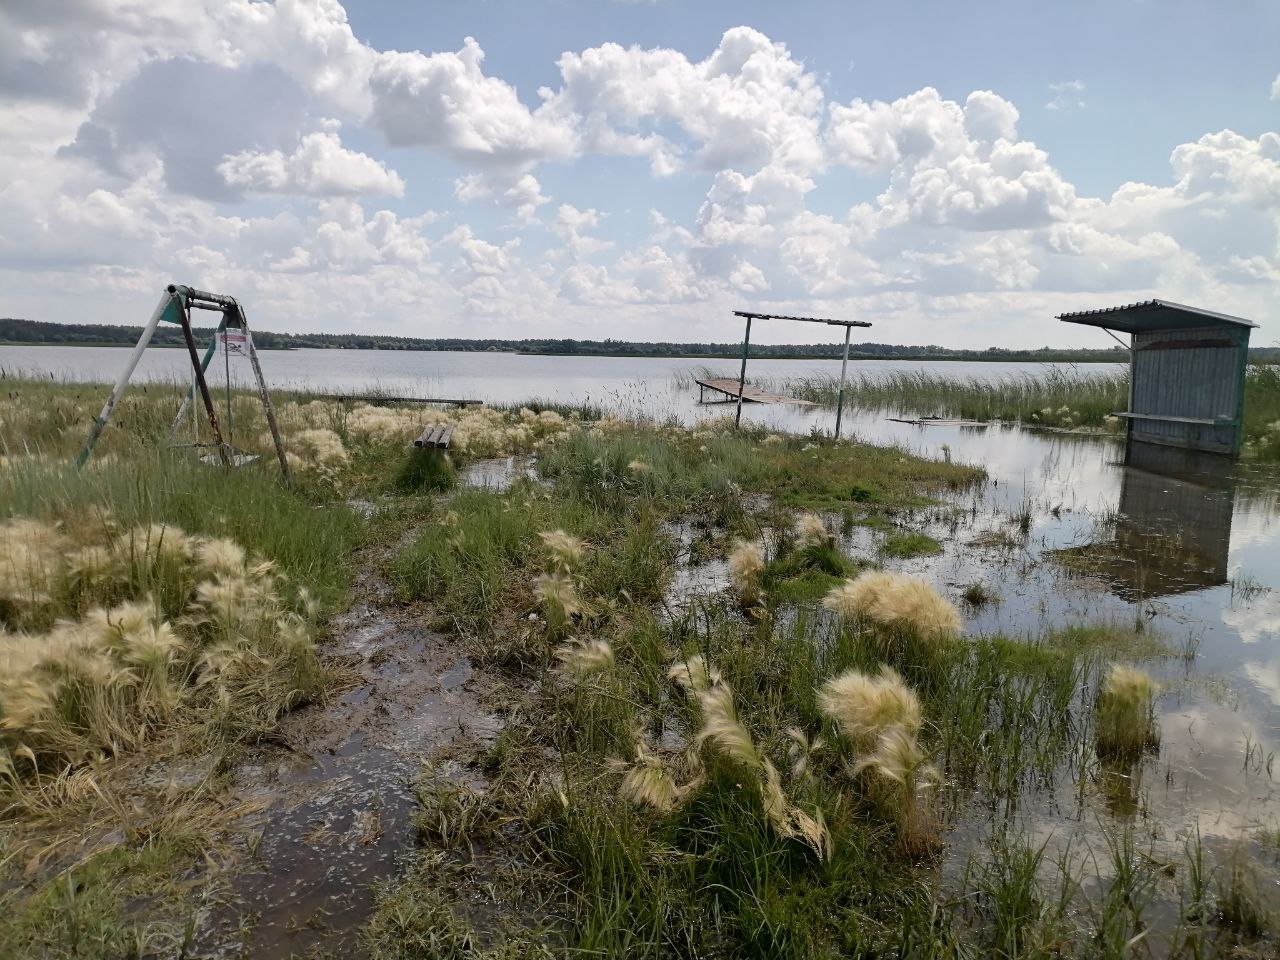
pixel 1195 556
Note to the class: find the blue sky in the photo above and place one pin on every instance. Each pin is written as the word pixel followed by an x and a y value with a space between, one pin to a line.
pixel 954 173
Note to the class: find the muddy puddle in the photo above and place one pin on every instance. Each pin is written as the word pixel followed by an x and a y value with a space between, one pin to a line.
pixel 337 798
pixel 499 473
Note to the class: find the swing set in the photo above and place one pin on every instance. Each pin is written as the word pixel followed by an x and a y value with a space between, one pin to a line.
pixel 175 307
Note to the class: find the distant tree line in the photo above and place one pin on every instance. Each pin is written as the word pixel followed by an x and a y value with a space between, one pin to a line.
pixel 14 331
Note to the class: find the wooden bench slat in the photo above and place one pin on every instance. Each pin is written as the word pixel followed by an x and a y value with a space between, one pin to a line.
pixel 438 436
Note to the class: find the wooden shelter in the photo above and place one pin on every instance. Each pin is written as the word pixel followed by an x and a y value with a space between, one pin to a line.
pixel 1186 373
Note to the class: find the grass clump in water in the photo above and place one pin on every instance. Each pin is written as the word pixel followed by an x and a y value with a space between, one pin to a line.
pixel 746 564
pixel 910 543
pixel 864 706
pixel 1126 713
pixel 909 608
pixel 978 594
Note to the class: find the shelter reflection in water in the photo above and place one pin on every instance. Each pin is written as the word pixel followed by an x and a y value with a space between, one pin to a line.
pixel 1171 533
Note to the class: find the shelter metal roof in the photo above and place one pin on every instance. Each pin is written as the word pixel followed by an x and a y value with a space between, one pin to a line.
pixel 1151 315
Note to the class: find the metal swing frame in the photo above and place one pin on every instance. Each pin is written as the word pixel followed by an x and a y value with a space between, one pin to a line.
pixel 175 307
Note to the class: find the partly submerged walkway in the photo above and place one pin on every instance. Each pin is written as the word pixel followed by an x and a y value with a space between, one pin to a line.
pixel 750 394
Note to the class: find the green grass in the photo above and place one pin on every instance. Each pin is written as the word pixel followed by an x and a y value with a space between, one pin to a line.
pixel 683 469
pixel 909 543
pixel 84 912
pixel 425 471
pixel 1039 397
pixel 250 506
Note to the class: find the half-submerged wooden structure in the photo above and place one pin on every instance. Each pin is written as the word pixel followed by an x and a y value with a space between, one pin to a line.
pixel 730 390
pixel 746 346
pixel 1186 373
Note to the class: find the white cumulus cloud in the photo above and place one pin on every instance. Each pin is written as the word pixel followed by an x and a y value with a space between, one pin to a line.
pixel 320 166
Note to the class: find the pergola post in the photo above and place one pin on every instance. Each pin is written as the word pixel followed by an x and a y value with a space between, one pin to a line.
pixel 746 345
pixel 742 376
pixel 844 363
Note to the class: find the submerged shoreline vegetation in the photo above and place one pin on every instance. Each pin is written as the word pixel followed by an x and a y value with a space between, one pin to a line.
pixel 1054 398
pixel 808 755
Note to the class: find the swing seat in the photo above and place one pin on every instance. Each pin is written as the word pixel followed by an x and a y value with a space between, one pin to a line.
pixel 238 457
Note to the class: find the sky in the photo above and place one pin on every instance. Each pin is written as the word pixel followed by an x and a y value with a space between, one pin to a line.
pixel 953 173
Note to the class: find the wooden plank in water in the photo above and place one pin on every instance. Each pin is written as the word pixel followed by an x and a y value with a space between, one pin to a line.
pixel 750 394
pixel 940 422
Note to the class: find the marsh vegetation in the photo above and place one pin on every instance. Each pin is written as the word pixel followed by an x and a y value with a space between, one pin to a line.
pixel 809 755
pixel 1056 398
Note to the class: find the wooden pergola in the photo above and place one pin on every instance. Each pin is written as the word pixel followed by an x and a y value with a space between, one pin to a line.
pixel 746 343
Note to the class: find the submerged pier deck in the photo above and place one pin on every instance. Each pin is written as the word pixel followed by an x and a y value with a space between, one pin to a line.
pixel 750 394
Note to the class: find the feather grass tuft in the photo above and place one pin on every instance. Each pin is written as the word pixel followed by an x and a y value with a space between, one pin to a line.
pixel 1126 712
pixel 746 563
pixel 565 549
pixel 584 658
pixel 865 706
pixel 897 602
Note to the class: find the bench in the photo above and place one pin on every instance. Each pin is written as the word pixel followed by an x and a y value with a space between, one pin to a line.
pixel 436 437
pixel 1197 421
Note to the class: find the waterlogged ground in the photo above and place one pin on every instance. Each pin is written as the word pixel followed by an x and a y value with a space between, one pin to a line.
pixel 335 787
pixel 1060 535
pixel 1194 559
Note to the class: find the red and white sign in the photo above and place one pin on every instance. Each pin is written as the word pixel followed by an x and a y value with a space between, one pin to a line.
pixel 235 342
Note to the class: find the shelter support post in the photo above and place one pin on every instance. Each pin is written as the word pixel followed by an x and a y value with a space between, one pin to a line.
pixel 100 421
pixel 742 377
pixel 844 364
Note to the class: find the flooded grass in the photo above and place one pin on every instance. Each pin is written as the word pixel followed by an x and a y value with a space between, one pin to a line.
pixel 1067 399
pixel 725 694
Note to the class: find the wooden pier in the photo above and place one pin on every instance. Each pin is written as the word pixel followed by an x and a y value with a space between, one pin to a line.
pixel 378 399
pixel 729 388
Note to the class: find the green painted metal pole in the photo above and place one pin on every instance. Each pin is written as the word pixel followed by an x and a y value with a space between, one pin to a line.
pixel 122 384
pixel 742 377
pixel 844 363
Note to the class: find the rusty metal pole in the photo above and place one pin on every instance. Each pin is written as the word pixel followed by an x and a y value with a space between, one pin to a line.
pixel 742 377
pixel 184 318
pixel 843 365
pixel 265 397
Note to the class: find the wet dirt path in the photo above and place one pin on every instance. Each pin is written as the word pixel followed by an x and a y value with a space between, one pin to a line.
pixel 337 788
